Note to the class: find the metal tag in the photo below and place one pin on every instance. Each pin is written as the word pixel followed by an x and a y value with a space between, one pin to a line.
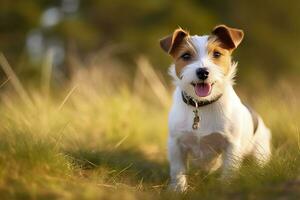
pixel 196 123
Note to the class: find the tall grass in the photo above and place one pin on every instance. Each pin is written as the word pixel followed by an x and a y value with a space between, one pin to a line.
pixel 102 135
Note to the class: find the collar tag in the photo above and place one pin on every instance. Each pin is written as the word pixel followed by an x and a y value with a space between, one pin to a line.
pixel 196 122
pixel 190 101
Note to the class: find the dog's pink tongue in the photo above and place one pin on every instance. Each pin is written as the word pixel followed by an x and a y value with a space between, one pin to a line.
pixel 202 89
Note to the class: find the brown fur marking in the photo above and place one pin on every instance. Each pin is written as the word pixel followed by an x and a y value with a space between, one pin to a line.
pixel 224 61
pixel 171 42
pixel 185 47
pixel 230 37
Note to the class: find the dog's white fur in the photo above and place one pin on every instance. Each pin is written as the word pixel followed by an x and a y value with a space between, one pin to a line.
pixel 227 117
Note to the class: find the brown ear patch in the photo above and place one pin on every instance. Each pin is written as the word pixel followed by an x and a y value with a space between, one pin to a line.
pixel 177 44
pixel 185 47
pixel 230 37
pixel 224 61
pixel 171 42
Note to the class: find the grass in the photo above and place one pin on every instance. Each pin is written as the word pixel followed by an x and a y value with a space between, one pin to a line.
pixel 98 138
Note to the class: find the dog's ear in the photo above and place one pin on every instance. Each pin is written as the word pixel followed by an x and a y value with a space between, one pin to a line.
pixel 171 42
pixel 230 37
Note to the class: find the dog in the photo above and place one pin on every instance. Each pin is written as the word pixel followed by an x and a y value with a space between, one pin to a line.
pixel 208 122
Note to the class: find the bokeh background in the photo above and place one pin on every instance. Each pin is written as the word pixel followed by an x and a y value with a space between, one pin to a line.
pixel 128 29
pixel 85 95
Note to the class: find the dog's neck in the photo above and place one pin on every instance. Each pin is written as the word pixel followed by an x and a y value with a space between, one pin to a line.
pixel 211 116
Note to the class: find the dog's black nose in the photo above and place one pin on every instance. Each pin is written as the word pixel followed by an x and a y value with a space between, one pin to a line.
pixel 202 73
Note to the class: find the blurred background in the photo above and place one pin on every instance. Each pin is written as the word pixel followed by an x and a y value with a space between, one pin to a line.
pixel 92 30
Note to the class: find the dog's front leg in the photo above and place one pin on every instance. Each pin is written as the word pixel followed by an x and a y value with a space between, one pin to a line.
pixel 232 159
pixel 178 164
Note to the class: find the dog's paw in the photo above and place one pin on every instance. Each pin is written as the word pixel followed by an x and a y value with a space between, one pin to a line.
pixel 179 185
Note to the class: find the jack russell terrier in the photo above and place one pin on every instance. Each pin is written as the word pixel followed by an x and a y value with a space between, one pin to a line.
pixel 208 121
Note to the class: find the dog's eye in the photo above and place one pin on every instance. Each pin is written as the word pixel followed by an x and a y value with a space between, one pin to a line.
pixel 186 56
pixel 216 54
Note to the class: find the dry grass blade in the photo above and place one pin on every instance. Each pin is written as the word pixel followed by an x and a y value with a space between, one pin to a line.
pixel 107 185
pixel 4 82
pixel 121 141
pixel 153 80
pixel 123 170
pixel 298 134
pixel 66 98
pixel 14 80
pixel 46 73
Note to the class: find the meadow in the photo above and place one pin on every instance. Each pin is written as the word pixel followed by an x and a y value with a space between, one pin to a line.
pixel 102 135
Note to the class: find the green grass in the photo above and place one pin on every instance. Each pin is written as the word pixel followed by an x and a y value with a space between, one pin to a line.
pixel 95 138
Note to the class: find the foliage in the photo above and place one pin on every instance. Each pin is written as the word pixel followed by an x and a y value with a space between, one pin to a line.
pixel 88 140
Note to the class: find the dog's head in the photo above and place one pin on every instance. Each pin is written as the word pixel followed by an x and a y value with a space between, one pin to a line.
pixel 202 64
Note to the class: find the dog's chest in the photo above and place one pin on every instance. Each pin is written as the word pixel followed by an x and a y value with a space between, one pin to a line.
pixel 203 148
pixel 211 121
pixel 208 140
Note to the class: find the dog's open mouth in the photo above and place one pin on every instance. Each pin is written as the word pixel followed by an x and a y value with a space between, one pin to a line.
pixel 202 89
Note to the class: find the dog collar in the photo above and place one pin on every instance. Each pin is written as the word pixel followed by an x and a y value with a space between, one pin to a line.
pixel 195 103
